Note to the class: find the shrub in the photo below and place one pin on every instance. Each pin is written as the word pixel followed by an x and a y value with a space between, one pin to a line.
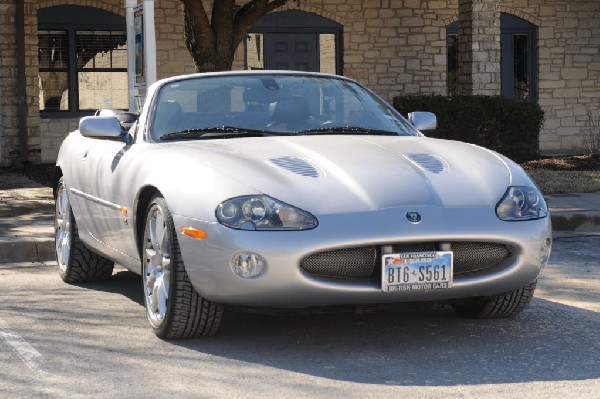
pixel 591 134
pixel 510 127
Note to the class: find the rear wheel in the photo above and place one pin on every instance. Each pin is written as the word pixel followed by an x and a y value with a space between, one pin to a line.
pixel 174 308
pixel 76 262
pixel 506 305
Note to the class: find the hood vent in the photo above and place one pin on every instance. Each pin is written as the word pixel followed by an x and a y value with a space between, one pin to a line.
pixel 427 162
pixel 299 166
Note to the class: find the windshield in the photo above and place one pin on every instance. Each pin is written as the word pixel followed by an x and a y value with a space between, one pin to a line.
pixel 228 106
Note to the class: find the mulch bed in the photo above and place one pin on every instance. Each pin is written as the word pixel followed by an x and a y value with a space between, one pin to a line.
pixel 572 163
pixel 39 173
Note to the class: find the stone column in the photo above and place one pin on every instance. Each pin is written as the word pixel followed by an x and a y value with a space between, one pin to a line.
pixel 479 47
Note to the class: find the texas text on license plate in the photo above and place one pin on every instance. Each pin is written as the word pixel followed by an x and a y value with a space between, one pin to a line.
pixel 413 271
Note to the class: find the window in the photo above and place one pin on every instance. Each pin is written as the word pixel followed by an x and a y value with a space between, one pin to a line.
pixel 518 58
pixel 53 58
pixel 82 56
pixel 452 62
pixel 295 40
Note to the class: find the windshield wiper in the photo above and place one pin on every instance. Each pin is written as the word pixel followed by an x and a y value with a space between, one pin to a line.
pixel 215 132
pixel 350 130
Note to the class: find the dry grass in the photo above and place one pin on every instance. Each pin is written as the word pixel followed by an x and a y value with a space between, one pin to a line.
pixel 562 175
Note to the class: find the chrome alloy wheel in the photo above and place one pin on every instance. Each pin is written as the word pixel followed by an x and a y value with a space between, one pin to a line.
pixel 157 265
pixel 62 229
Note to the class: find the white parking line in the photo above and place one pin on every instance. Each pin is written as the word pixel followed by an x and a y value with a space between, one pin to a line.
pixel 27 353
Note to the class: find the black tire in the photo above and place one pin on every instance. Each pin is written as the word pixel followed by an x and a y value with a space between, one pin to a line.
pixel 76 262
pixel 183 313
pixel 500 306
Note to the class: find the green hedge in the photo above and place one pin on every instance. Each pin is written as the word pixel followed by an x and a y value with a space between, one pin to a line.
pixel 510 127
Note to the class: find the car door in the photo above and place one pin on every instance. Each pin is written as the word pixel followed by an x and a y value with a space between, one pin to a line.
pixel 104 213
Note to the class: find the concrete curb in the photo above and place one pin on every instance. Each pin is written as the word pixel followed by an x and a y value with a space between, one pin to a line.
pixel 576 222
pixel 26 251
pixel 575 212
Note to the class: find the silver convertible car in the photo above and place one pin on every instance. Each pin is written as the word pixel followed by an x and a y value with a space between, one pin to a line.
pixel 292 191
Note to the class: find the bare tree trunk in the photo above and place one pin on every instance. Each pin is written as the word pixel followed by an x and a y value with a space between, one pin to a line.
pixel 212 44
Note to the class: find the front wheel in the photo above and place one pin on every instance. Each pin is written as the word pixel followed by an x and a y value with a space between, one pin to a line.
pixel 174 308
pixel 506 305
pixel 76 262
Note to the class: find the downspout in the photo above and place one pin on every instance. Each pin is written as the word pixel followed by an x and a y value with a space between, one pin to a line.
pixel 21 83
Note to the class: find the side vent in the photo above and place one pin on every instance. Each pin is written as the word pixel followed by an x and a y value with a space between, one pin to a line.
pixel 427 162
pixel 299 166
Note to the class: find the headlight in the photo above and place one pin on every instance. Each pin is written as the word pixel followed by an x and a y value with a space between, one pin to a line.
pixel 522 203
pixel 260 212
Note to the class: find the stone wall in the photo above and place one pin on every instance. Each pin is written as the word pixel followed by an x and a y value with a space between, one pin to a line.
pixel 392 46
pixel 172 57
pixel 8 72
pixel 399 47
pixel 569 69
pixel 479 47
pixel 55 130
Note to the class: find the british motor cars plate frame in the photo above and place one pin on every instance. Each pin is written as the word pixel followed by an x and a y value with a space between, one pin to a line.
pixel 412 271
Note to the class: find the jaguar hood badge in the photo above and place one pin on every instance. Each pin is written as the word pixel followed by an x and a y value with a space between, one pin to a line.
pixel 413 217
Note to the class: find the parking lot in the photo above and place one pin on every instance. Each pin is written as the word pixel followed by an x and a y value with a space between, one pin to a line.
pixel 59 340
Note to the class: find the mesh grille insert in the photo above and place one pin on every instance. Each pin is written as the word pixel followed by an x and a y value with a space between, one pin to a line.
pixel 342 263
pixel 472 256
pixel 364 262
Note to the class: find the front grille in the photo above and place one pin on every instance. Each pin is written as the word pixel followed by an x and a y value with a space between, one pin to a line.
pixel 473 256
pixel 342 263
pixel 364 262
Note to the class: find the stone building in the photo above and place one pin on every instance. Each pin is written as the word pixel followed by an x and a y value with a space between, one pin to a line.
pixel 61 59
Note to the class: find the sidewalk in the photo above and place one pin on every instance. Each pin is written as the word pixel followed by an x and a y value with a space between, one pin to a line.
pixel 27 218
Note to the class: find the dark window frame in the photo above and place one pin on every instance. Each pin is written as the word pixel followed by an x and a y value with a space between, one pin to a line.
pixel 298 22
pixel 71 19
pixel 510 25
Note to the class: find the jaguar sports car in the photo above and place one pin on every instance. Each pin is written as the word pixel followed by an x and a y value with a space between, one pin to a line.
pixel 292 191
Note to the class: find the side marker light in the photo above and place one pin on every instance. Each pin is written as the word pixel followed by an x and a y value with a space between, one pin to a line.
pixel 194 233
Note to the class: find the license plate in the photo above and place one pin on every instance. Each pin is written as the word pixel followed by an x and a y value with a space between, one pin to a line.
pixel 412 271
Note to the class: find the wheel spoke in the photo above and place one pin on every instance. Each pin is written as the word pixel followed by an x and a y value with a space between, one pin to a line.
pixel 154 307
pixel 153 257
pixel 150 281
pixel 65 248
pixel 163 296
pixel 166 283
pixel 160 231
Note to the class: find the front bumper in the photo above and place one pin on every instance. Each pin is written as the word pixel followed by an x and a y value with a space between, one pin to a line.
pixel 283 283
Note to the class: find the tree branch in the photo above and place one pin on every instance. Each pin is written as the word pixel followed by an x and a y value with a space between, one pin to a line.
pixel 249 14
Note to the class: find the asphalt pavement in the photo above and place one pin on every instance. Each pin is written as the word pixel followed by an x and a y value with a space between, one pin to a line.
pixel 27 212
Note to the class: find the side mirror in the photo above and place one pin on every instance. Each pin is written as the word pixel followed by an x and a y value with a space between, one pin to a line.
pixel 423 121
pixel 101 127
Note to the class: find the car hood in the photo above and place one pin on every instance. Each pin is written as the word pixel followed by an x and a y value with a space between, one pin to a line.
pixel 334 174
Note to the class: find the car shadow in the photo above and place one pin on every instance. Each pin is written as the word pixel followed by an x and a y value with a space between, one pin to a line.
pixel 123 282
pixel 548 342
